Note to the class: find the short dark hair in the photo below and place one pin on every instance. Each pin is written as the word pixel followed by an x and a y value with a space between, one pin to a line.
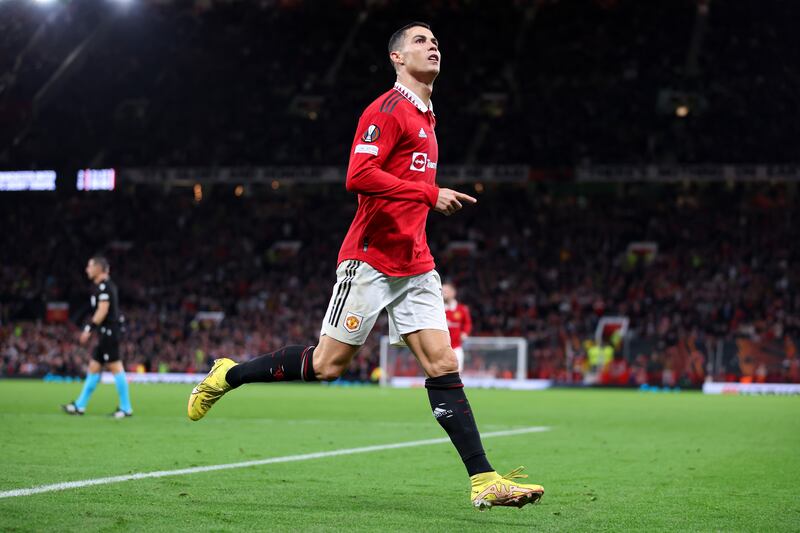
pixel 101 261
pixel 397 36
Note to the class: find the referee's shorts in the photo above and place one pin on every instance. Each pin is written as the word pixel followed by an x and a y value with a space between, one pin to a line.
pixel 107 349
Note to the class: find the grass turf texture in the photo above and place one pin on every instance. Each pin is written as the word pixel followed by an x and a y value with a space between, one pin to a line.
pixel 614 460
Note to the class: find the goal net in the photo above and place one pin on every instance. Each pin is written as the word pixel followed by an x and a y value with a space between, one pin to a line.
pixel 500 362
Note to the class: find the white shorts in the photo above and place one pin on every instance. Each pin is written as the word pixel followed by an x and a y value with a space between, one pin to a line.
pixel 361 293
pixel 460 356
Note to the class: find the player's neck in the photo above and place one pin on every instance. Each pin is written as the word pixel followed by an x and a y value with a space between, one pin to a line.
pixel 100 279
pixel 422 89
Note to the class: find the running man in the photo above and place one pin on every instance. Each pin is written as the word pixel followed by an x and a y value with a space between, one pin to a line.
pixel 385 263
pixel 459 321
pixel 105 321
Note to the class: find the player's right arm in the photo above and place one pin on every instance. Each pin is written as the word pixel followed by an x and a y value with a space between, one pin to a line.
pixel 100 314
pixel 378 134
pixel 102 311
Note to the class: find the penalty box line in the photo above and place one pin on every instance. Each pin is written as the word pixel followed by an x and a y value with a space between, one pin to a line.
pixel 272 460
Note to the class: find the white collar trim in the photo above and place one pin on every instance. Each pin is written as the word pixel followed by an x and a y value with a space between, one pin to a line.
pixel 413 98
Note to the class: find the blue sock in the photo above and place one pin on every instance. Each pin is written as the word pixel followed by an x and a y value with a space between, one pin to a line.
pixel 88 388
pixel 122 390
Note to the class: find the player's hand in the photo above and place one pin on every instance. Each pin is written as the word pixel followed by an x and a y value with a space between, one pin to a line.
pixel 450 201
pixel 85 337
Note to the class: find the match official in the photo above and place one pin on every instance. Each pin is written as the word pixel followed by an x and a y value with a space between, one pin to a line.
pixel 105 321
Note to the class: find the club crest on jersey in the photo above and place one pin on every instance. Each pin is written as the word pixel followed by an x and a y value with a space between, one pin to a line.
pixel 352 322
pixel 419 161
pixel 372 134
pixel 422 134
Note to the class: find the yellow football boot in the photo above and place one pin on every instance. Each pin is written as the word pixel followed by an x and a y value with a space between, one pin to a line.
pixel 490 489
pixel 211 389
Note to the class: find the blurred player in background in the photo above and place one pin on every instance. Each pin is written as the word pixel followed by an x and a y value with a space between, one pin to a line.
pixel 385 263
pixel 105 321
pixel 459 323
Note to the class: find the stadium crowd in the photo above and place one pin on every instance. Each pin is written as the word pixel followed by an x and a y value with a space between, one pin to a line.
pixel 545 263
pixel 546 83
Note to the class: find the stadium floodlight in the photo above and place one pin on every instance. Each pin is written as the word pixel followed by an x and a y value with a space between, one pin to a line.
pixel 44 2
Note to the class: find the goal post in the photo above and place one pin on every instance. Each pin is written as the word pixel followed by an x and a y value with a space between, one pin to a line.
pixel 498 362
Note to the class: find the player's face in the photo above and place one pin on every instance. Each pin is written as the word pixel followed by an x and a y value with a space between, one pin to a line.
pixel 421 55
pixel 92 269
pixel 448 292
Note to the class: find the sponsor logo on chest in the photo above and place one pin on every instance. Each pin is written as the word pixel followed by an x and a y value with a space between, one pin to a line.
pixel 419 162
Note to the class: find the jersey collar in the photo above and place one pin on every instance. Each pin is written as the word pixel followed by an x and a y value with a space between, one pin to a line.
pixel 413 98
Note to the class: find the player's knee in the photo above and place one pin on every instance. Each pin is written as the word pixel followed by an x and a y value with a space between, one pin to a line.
pixel 444 362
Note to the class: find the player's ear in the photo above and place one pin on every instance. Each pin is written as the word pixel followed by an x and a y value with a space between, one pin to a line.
pixel 396 57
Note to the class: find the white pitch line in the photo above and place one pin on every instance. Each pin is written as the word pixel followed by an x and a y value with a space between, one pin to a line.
pixel 273 460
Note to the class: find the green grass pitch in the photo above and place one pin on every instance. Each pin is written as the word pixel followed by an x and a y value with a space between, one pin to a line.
pixel 613 460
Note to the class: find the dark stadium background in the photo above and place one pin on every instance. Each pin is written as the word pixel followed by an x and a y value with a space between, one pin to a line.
pixel 582 127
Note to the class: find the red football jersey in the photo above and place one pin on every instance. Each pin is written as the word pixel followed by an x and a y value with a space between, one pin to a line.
pixel 393 170
pixel 458 322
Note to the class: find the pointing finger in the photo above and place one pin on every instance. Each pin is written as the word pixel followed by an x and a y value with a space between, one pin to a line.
pixel 465 197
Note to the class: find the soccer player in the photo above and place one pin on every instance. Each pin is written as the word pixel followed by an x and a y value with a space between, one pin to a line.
pixel 385 263
pixel 105 321
pixel 459 323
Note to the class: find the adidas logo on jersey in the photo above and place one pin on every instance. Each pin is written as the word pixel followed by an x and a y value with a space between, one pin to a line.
pixel 423 134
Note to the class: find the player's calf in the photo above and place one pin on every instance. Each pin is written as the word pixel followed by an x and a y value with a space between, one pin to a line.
pixel 291 363
pixel 453 412
pixel 287 364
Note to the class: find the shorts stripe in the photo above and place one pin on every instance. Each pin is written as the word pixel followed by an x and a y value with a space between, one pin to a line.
pixel 337 314
pixel 337 311
pixel 340 290
pixel 335 301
